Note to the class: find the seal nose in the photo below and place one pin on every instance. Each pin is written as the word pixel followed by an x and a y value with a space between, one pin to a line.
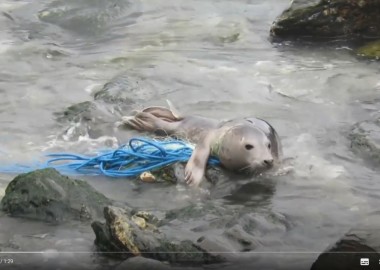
pixel 268 162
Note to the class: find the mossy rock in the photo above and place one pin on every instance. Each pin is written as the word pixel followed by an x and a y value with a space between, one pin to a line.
pixel 370 50
pixel 49 196
pixel 329 19
pixel 125 238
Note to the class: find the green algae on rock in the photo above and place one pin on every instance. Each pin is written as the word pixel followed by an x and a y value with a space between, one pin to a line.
pixel 370 50
pixel 123 237
pixel 347 19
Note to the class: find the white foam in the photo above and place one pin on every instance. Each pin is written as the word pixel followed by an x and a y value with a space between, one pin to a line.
pixel 92 88
pixel 82 144
pixel 309 162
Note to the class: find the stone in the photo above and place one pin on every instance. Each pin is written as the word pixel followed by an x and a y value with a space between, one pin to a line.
pixel 47 195
pixel 363 241
pixel 125 238
pixel 365 140
pixel 329 19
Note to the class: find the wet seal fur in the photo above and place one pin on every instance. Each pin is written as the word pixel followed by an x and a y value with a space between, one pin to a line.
pixel 243 144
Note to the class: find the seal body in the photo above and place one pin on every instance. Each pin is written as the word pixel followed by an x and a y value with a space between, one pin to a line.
pixel 243 144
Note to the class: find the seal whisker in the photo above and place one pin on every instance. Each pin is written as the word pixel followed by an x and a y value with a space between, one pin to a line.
pixel 247 169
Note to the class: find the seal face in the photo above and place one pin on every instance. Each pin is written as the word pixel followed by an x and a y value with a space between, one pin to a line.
pixel 245 148
pixel 248 145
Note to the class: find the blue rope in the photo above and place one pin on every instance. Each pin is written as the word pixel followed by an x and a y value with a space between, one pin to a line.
pixel 132 159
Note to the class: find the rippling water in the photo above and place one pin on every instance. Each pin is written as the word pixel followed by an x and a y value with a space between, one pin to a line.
pixel 212 58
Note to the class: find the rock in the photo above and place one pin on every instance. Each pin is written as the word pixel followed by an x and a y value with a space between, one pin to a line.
pixel 99 117
pixel 148 217
pixel 365 140
pixel 102 116
pixel 243 240
pixel 197 211
pixel 217 247
pixel 88 17
pixel 118 90
pixel 92 119
pixel 329 19
pixel 49 196
pixel 122 235
pixel 370 50
pixel 126 89
pixel 2 191
pixel 141 263
pixel 165 174
pixel 77 112
pixel 360 242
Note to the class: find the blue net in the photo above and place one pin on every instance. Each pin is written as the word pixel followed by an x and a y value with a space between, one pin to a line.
pixel 129 160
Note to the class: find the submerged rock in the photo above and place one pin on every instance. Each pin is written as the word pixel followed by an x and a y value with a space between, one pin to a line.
pixel 88 16
pixel 360 242
pixel 329 19
pixel 49 196
pixel 141 263
pixel 126 89
pixel 110 103
pixel 99 117
pixel 87 119
pixel 365 140
pixel 118 90
pixel 126 235
pixel 77 112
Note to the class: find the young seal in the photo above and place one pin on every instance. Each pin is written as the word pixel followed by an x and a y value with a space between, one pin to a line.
pixel 244 145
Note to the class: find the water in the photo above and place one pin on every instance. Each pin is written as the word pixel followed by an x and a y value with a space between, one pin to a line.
pixel 212 58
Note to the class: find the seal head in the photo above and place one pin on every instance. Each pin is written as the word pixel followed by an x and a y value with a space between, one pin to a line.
pixel 244 148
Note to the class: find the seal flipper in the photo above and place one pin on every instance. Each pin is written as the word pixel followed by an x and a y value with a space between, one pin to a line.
pixel 168 115
pixel 162 113
pixel 144 121
pixel 196 166
pixel 174 110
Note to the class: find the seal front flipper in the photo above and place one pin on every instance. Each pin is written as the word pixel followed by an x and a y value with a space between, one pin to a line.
pixel 196 166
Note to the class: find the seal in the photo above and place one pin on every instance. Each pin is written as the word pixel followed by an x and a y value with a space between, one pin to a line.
pixel 249 144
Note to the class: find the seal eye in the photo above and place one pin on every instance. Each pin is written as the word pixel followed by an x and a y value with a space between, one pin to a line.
pixel 269 146
pixel 249 146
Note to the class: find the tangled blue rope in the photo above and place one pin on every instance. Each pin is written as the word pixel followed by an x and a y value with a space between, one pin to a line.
pixel 138 156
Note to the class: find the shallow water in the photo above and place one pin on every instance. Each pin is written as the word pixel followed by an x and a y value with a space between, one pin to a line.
pixel 212 58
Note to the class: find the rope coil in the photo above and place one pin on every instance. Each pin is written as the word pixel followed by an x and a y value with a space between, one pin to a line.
pixel 138 156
